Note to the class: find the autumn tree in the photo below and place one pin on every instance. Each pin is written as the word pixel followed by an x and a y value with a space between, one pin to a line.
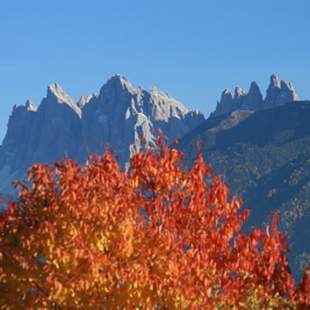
pixel 155 236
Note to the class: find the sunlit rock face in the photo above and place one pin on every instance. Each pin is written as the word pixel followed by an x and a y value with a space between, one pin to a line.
pixel 127 118
pixel 278 93
pixel 121 117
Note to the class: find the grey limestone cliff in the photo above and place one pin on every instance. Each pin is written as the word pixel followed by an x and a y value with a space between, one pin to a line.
pixel 278 93
pixel 120 117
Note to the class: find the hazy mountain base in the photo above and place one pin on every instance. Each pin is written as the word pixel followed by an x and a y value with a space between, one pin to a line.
pixel 265 158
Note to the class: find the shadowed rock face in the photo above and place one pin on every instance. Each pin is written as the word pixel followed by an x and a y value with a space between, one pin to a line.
pixel 278 93
pixel 39 134
pixel 226 103
pixel 85 99
pixel 117 118
pixel 264 157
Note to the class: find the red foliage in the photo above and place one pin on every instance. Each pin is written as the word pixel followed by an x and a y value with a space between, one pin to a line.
pixel 155 237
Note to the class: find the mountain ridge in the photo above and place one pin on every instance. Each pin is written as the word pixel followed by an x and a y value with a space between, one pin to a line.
pixel 278 93
pixel 117 118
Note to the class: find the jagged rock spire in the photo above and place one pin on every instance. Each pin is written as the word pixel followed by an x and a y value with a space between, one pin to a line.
pixel 85 100
pixel 289 89
pixel 255 90
pixel 225 104
pixel 239 92
pixel 254 98
pixel 30 106
pixel 274 81
pixel 279 92
pixel 55 94
pixel 117 83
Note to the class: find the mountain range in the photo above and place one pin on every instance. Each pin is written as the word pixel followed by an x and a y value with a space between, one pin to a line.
pixel 259 145
pixel 119 118
pixel 278 93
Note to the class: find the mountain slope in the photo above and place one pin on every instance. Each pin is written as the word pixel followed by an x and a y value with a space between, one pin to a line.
pixel 264 157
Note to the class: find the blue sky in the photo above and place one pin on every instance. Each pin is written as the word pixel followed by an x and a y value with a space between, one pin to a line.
pixel 191 49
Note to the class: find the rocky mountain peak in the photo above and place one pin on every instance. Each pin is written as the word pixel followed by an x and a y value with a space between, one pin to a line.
pixel 275 81
pixel 55 91
pixel 289 89
pixel 279 92
pixel 30 106
pixel 27 107
pixel 226 96
pixel 254 100
pixel 86 99
pixel 225 104
pixel 226 93
pixel 254 89
pixel 118 83
pixel 239 92
pixel 55 94
pixel 121 113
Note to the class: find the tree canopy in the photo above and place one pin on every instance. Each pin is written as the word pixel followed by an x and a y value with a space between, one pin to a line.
pixel 156 236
